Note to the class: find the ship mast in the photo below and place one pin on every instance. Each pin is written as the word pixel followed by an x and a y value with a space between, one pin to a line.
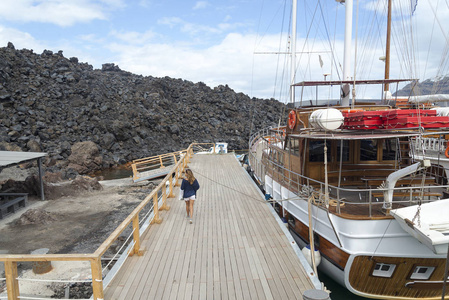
pixel 293 53
pixel 347 52
pixel 387 51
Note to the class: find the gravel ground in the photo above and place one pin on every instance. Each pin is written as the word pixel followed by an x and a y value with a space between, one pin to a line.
pixel 72 224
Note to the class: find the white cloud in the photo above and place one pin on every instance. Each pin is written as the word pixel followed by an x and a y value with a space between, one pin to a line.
pixel 170 21
pixel 201 5
pixel 133 37
pixel 60 12
pixel 195 29
pixel 229 62
pixel 20 39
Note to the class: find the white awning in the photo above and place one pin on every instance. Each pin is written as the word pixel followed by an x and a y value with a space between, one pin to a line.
pixel 11 158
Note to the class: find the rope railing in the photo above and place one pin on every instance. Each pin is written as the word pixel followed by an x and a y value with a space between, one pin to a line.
pixel 54 280
pixel 118 251
pixel 153 199
pixel 40 298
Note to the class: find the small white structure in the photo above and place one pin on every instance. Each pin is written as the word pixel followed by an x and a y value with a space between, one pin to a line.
pixel 219 148
pixel 431 225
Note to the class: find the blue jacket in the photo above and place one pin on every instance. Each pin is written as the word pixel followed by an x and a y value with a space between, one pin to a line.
pixel 189 189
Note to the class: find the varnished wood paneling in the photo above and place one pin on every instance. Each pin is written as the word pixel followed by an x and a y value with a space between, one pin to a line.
pixel 361 278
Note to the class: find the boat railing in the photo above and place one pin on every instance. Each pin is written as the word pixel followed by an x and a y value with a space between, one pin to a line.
pixel 130 230
pixel 368 197
pixel 429 143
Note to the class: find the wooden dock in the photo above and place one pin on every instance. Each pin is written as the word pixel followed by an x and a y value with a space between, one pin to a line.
pixel 235 248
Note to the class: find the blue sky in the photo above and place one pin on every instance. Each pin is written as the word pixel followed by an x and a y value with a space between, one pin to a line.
pixel 215 41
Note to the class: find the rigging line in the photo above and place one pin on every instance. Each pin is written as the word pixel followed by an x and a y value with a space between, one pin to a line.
pixel 438 21
pixel 333 43
pixel 443 60
pixel 428 49
pixel 369 43
pixel 252 74
pixel 304 45
pixel 403 54
pixel 328 38
pixel 279 50
pixel 383 235
pixel 246 195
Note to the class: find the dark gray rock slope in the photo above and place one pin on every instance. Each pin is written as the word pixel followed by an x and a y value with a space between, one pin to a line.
pixel 49 103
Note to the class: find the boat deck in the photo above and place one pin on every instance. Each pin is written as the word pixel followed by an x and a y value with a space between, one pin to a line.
pixel 235 248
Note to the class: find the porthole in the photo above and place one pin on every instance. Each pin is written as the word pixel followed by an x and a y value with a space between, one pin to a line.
pixel 383 270
pixel 422 272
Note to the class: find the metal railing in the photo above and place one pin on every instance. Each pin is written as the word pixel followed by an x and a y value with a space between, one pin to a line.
pixel 136 228
pixel 306 187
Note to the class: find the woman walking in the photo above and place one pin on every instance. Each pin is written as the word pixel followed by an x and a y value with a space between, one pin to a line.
pixel 189 187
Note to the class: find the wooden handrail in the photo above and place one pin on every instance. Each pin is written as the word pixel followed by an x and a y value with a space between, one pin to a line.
pixel 153 162
pixel 95 258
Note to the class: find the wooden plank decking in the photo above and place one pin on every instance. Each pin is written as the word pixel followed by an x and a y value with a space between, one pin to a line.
pixel 234 249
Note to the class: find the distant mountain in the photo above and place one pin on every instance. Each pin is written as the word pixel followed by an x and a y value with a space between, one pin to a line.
pixel 427 87
pixel 49 102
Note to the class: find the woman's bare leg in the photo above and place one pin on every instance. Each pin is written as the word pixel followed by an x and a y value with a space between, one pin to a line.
pixel 188 208
pixel 191 208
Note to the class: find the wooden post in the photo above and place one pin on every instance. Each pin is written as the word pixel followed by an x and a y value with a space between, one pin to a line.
pixel 97 279
pixel 135 176
pixel 164 205
pixel 160 159
pixel 174 157
pixel 156 218
pixel 136 238
pixel 178 174
pixel 170 187
pixel 12 284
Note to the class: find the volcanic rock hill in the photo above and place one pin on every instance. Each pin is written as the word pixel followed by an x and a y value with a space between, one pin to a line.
pixel 49 103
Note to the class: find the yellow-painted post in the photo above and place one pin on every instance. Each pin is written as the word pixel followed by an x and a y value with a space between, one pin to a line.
pixel 178 174
pixel 186 160
pixel 156 218
pixel 97 279
pixel 136 238
pixel 170 187
pixel 12 284
pixel 135 174
pixel 164 205
pixel 160 159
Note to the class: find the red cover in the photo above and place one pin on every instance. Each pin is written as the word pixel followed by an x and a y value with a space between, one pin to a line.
pixel 364 124
pixel 400 113
pixel 409 122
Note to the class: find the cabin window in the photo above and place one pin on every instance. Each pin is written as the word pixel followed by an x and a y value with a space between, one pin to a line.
pixel 368 150
pixel 422 272
pixel 345 156
pixel 389 149
pixel 293 146
pixel 383 270
pixel 316 151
